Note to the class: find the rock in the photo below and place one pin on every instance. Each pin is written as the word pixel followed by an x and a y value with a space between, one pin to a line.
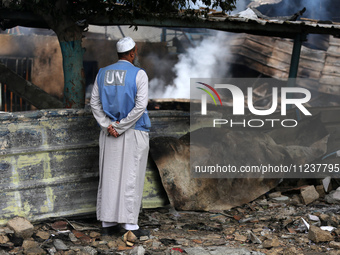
pixel 3 252
pixel 333 197
pixel 252 237
pixel 60 225
pixel 313 217
pixel 28 244
pixel 240 238
pixel 290 251
pixel 229 231
pixel 323 217
pixel 263 202
pixel 220 251
pixel 73 238
pixel 52 250
pixel 281 198
pixel 320 189
pixel 156 244
pixel 296 199
pixel 318 235
pixel 143 238
pixel 138 250
pixel 275 194
pixel 112 244
pixel 94 234
pixel 335 245
pixel 90 250
pixel 4 239
pixel 326 183
pixel 21 227
pixel 309 194
pixel 270 243
pixel 35 251
pixel 43 235
pixel 59 245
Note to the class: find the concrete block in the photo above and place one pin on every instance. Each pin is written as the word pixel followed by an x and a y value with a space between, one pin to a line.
pixel 21 227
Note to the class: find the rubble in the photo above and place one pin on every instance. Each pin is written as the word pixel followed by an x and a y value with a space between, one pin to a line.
pixel 333 197
pixel 309 195
pixel 22 227
pixel 262 226
pixel 318 235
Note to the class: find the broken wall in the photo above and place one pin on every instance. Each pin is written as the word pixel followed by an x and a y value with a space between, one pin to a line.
pixel 49 162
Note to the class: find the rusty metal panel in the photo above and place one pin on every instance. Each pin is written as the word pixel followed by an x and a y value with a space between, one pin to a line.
pixel 49 163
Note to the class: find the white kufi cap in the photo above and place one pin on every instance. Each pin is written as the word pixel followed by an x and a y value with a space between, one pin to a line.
pixel 125 44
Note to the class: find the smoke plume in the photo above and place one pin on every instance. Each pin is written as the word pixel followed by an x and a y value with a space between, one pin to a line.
pixel 207 60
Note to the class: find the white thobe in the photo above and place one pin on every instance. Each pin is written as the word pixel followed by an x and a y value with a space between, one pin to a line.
pixel 122 160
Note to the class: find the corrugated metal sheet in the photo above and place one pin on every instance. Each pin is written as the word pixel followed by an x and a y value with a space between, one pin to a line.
pixel 49 162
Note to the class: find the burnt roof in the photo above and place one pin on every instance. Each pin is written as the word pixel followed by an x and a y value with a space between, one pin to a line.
pixel 227 23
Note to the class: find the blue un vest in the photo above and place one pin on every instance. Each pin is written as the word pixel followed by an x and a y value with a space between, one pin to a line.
pixel 118 90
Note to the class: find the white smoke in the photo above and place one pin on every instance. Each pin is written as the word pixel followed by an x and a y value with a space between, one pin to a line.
pixel 207 60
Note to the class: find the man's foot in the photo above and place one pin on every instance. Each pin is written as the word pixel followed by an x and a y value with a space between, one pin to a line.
pixel 140 232
pixel 109 231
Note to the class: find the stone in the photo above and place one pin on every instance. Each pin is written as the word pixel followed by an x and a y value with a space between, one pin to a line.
pixel 333 197
pixel 59 245
pixel 43 235
pixel 240 238
pixel 90 250
pixel 270 243
pixel 229 231
pixel 94 234
pixel 220 251
pixel 52 250
pixel 21 227
pixel 296 199
pixel 290 251
pixel 327 184
pixel 253 238
pixel 28 244
pixel 73 238
pixel 309 194
pixel 2 252
pixel 334 245
pixel 60 225
pixel 313 217
pixel 275 194
pixel 143 238
pixel 4 239
pixel 35 251
pixel 318 235
pixel 323 217
pixel 111 244
pixel 73 253
pixel 138 250
pixel 320 189
pixel 263 202
pixel 281 199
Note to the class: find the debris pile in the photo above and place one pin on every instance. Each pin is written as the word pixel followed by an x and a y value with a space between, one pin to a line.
pixel 285 221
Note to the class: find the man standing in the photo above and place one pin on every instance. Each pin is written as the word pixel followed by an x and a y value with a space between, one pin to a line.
pixel 119 99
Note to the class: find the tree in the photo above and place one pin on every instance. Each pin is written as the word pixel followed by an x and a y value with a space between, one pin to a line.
pixel 69 19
